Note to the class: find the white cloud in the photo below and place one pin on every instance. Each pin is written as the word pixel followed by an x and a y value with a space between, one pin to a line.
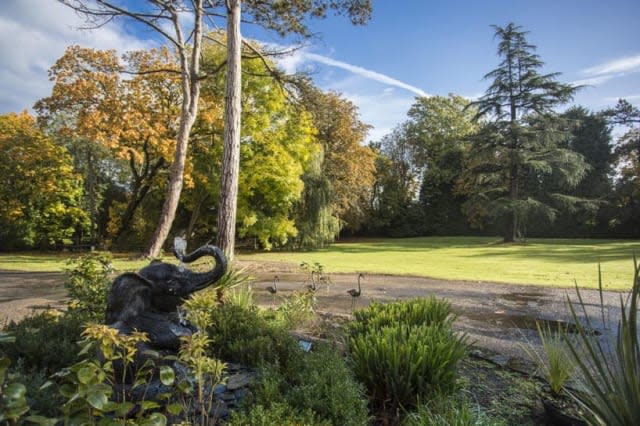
pixel 594 81
pixel 627 64
pixel 601 73
pixel 301 58
pixel 33 35
pixel 363 72
pixel 629 98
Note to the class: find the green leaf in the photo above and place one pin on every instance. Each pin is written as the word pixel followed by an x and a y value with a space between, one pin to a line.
pixel 124 407
pixel 149 405
pixel 175 409
pixel 167 375
pixel 97 399
pixel 85 375
pixel 15 391
pixel 42 421
pixel 155 419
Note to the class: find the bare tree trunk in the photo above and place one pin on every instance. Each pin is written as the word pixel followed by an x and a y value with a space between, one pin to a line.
pixel 231 156
pixel 190 67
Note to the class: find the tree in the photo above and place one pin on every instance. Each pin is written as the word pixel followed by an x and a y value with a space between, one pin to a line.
pixel 40 195
pixel 392 203
pixel 278 142
pixel 627 153
pixel 520 139
pixel 347 165
pixel 438 130
pixel 281 16
pixel 134 118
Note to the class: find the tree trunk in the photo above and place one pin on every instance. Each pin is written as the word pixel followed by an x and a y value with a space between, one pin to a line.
pixel 190 80
pixel 231 156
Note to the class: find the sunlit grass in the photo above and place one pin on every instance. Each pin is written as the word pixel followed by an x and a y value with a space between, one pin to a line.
pixel 549 262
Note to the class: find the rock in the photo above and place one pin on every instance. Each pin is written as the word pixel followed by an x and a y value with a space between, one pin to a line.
pixel 239 380
pixel 219 389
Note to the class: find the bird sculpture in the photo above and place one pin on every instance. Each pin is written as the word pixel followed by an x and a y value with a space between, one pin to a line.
pixel 356 293
pixel 313 286
pixel 274 288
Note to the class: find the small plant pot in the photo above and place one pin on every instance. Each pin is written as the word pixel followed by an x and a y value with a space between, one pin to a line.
pixel 556 414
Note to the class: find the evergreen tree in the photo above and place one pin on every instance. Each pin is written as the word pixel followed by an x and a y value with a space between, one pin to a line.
pixel 519 141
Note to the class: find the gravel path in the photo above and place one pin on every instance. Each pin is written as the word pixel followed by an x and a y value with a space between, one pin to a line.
pixel 499 318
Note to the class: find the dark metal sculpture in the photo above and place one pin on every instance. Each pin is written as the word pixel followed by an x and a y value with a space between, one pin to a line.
pixel 149 301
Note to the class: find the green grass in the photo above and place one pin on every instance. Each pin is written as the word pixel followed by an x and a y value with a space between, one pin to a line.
pixel 549 262
pixel 56 262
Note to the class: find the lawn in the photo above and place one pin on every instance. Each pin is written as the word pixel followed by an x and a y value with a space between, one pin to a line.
pixel 551 262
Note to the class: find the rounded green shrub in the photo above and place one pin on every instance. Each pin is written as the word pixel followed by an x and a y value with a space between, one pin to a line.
pixel 414 312
pixel 244 336
pixel 404 352
pixel 401 364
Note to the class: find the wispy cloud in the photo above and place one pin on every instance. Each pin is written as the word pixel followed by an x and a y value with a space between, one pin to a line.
pixel 601 73
pixel 594 81
pixel 363 72
pixel 627 64
pixel 629 98
pixel 301 57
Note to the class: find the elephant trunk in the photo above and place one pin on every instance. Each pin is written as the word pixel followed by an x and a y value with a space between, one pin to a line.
pixel 200 280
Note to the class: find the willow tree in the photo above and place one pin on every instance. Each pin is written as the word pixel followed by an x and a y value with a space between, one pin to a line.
pixel 181 24
pixel 520 139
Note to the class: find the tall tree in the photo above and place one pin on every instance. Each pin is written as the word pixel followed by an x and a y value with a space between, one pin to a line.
pixel 134 118
pixel 520 138
pixel 346 163
pixel 438 129
pixel 168 18
pixel 627 152
pixel 40 194
pixel 278 141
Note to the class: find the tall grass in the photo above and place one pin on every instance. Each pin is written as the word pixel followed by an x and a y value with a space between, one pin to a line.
pixel 611 376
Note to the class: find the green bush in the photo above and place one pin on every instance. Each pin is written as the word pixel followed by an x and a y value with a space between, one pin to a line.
pixel 414 312
pixel 45 342
pixel 244 336
pixel 404 352
pixel 319 382
pixel 323 383
pixel 401 364
pixel 448 411
pixel 280 414
pixel 88 283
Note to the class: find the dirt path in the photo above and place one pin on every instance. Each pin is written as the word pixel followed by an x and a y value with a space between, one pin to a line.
pixel 497 317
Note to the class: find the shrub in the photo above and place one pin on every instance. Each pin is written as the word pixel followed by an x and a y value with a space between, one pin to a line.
pixel 411 313
pixel 245 336
pixel 88 283
pixel 405 351
pixel 45 342
pixel 318 382
pixel 448 411
pixel 610 379
pixel 401 364
pixel 274 414
pixel 323 383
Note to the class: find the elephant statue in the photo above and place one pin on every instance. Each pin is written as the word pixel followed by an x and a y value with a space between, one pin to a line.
pixel 149 300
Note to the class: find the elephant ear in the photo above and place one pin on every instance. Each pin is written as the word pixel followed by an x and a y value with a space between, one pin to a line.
pixel 129 297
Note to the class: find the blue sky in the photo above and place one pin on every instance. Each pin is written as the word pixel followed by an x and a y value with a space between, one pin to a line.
pixel 410 47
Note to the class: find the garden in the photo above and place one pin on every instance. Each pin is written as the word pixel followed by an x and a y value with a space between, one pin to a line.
pixel 288 363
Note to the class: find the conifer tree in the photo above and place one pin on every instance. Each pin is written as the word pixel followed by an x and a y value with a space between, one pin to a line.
pixel 520 140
